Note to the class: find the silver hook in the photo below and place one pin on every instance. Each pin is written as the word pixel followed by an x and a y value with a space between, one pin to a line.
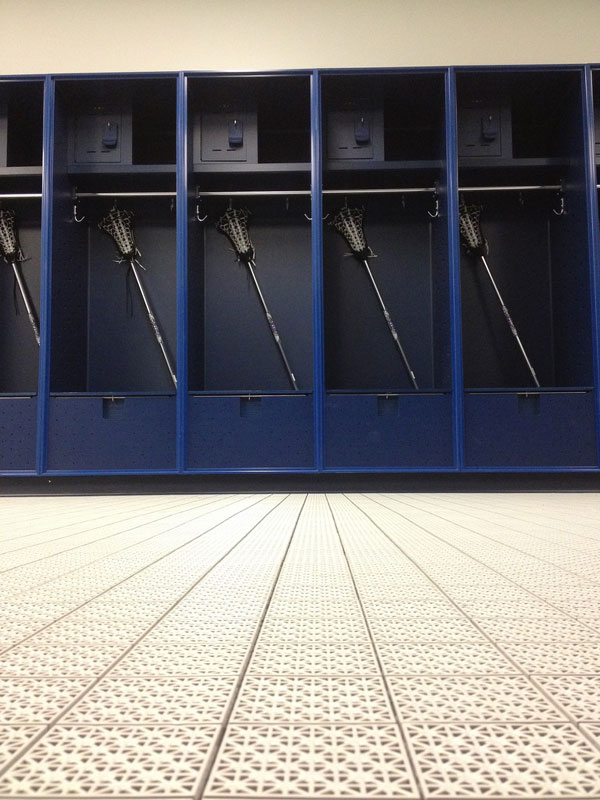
pixel 323 218
pixel 198 217
pixel 75 217
pixel 561 206
pixel 436 207
pixel 172 205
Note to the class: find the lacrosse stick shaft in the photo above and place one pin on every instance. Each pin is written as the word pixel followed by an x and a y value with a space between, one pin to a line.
pixel 272 326
pixel 390 324
pixel 153 322
pixel 26 300
pixel 511 324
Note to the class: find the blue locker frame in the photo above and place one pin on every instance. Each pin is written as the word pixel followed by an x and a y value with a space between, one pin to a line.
pixel 21 189
pixel 172 433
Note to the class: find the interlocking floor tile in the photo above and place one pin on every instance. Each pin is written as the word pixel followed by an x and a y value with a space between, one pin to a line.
pixel 312 761
pixel 504 761
pixel 555 657
pixel 466 698
pixel 123 761
pixel 578 694
pixel 154 701
pixel 313 658
pixel 36 700
pixel 462 658
pixel 537 629
pixel 424 629
pixel 316 699
pixel 58 660
pixel 15 737
pixel 167 658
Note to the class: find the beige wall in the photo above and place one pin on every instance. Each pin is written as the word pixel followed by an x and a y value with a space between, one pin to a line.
pixel 39 36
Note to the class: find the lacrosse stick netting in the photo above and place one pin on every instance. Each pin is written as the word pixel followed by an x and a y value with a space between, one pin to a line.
pixel 11 252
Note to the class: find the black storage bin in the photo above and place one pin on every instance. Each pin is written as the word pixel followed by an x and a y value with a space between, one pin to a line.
pixel 372 407
pixel 532 198
pixel 243 409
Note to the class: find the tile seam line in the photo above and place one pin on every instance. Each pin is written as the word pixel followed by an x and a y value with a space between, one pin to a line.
pixel 212 758
pixel 167 514
pixel 66 536
pixel 390 496
pixel 399 725
pixel 511 516
pixel 496 645
pixel 508 546
pixel 56 719
pixel 118 583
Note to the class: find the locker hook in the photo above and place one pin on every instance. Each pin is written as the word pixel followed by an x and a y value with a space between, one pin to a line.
pixel 310 218
pixel 561 206
pixel 198 217
pixel 75 217
pixel 436 207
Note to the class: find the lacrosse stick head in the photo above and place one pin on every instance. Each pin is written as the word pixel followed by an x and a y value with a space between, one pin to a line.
pixel 234 225
pixel 349 222
pixel 119 226
pixel 9 241
pixel 470 229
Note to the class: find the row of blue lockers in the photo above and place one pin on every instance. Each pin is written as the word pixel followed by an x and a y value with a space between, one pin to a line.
pixel 313 271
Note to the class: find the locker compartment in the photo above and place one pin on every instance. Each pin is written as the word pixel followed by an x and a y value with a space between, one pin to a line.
pixel 530 429
pixel 21 104
pixel 536 242
pixel 251 431
pixel 264 186
pixel 18 425
pixel 386 300
pixel 388 431
pixel 111 433
pixel 109 337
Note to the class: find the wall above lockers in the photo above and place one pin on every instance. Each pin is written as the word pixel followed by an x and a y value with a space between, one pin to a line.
pixel 52 36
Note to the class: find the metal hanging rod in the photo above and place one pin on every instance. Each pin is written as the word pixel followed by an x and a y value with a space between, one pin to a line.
pixel 77 195
pixel 20 196
pixel 404 190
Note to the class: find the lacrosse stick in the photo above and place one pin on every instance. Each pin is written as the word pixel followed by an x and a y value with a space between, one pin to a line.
pixel 475 244
pixel 117 223
pixel 234 224
pixel 11 252
pixel 348 222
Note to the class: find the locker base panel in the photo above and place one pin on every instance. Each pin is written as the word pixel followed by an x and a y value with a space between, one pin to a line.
pixel 18 425
pixel 530 429
pixel 388 431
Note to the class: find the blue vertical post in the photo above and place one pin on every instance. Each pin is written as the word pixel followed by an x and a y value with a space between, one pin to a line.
pixel 317 269
pixel 454 266
pixel 182 258
pixel 45 276
pixel 593 231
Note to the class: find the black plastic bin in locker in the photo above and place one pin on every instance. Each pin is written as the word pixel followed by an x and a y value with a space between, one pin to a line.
pixel 21 103
pixel 112 399
pixel 531 193
pixel 384 150
pixel 250 151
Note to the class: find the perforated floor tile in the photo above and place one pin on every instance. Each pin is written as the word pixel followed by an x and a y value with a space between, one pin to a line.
pixel 37 700
pixel 319 700
pixel 578 694
pixel 555 657
pixel 313 658
pixel 13 738
pixel 312 761
pixel 463 658
pixel 466 698
pixel 504 761
pixel 152 701
pixel 168 658
pixel 56 660
pixel 86 761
